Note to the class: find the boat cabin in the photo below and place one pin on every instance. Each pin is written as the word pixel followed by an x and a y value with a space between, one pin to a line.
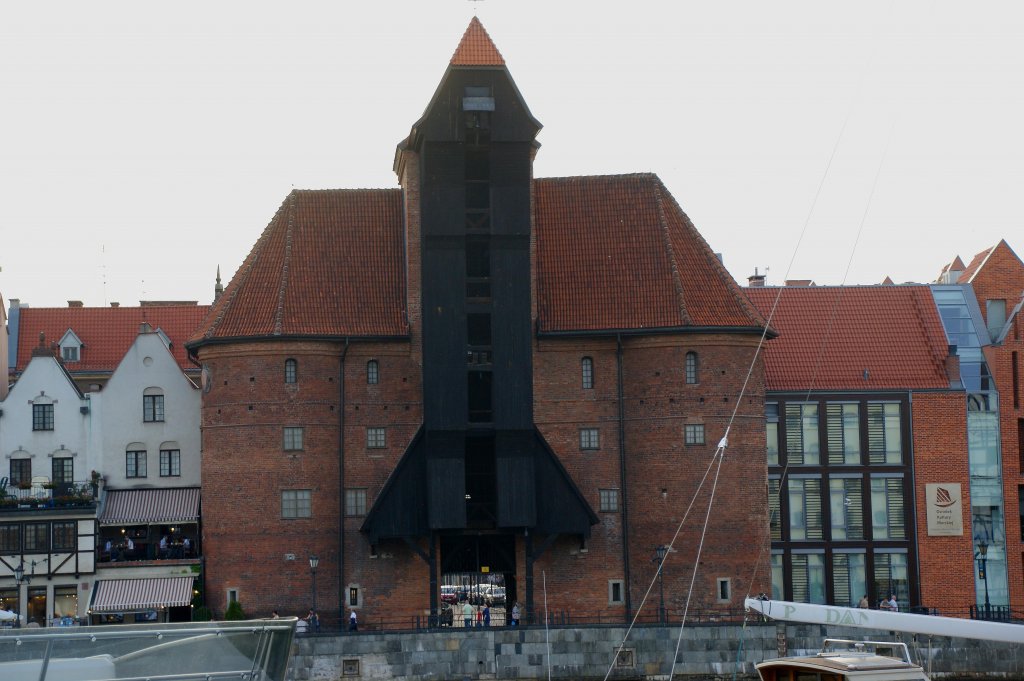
pixel 860 661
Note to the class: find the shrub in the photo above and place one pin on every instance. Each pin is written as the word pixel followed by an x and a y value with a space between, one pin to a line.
pixel 234 611
pixel 202 614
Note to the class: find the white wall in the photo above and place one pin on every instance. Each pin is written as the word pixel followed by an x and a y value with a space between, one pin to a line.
pixel 147 364
pixel 44 380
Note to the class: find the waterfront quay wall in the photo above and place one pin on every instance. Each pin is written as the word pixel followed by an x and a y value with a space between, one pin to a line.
pixel 582 653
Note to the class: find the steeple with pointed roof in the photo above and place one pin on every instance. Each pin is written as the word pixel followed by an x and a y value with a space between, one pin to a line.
pixel 476 48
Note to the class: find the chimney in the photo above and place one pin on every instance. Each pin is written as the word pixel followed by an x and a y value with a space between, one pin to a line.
pixel 756 280
pixel 145 327
pixel 75 303
pixel 15 303
pixel 115 305
pixel 953 369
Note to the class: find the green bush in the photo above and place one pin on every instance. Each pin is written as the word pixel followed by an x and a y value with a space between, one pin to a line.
pixel 202 614
pixel 234 611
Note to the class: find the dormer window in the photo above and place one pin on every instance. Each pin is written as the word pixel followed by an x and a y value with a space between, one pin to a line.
pixel 70 347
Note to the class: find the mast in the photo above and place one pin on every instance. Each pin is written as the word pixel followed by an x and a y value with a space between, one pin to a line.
pixel 787 611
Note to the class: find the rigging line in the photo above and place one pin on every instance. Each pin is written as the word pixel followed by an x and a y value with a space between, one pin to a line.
pixel 720 454
pixel 661 564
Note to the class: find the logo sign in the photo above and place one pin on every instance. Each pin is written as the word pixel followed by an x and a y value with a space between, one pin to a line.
pixel 945 509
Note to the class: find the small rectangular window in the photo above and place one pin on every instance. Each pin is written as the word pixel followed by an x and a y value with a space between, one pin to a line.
pixel 292 439
pixel 170 463
pixel 296 503
pixel 291 371
pixel 771 419
pixel 589 438
pixel 153 408
pixel 42 417
pixel 355 502
pixel 616 592
pixel 587 370
pixel 10 538
pixel 135 464
pixel 375 438
pixel 36 537
pixel 372 372
pixel 609 500
pixel 724 590
pixel 232 596
pixel 70 353
pixel 63 470
pixel 21 471
pixel 65 536
pixel 694 433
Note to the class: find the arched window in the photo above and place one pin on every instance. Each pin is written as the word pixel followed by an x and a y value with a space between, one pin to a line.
pixel 372 372
pixel 587 372
pixel 291 371
pixel 691 367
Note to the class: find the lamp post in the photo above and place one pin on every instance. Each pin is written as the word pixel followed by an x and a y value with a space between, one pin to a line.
pixel 981 556
pixel 313 562
pixel 660 552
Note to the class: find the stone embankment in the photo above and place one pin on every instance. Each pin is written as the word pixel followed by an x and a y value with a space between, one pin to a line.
pixel 578 654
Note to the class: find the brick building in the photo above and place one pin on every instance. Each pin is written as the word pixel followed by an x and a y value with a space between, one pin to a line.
pixel 477 381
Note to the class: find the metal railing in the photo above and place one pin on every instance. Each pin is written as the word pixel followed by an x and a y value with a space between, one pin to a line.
pixel 41 493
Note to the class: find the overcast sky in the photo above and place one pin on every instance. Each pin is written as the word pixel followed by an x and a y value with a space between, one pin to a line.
pixel 144 144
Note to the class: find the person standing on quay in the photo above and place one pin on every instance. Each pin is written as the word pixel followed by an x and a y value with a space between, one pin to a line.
pixel 467 615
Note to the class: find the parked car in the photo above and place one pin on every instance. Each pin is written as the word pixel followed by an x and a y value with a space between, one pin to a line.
pixel 449 594
pixel 496 595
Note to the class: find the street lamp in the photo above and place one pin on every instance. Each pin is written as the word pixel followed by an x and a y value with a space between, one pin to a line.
pixel 661 551
pixel 313 562
pixel 19 574
pixel 981 557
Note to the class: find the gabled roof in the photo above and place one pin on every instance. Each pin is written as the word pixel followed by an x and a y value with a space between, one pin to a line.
pixel 892 332
pixel 330 263
pixel 476 48
pixel 617 252
pixel 956 266
pixel 106 332
pixel 981 259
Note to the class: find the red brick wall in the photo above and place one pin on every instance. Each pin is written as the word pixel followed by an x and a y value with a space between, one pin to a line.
pixel 940 456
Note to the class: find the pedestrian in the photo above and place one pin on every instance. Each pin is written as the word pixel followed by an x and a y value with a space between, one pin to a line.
pixel 479 618
pixel 274 615
pixel 353 624
pixel 467 615
pixel 314 622
pixel 864 602
pixel 893 605
pixel 302 626
pixel 487 615
pixel 515 614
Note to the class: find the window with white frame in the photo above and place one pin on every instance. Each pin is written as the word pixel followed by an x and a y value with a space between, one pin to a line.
pixel 135 463
pixel 292 438
pixel 375 438
pixel 170 463
pixel 694 433
pixel 589 438
pixel 296 503
pixel 616 592
pixel 609 499
pixel 69 353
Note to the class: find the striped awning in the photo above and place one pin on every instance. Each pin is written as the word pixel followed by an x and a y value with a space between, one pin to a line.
pixel 132 595
pixel 143 506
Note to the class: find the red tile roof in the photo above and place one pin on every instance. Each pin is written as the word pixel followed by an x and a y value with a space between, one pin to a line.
pixel 612 253
pixel 106 332
pixel 893 332
pixel 331 262
pixel 617 252
pixel 476 48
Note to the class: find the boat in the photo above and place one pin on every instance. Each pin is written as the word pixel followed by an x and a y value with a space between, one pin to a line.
pixel 253 650
pixel 857 661
pixel 866 660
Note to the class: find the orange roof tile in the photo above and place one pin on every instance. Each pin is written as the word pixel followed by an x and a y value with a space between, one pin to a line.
pixel 476 48
pixel 617 252
pixel 106 332
pixel 329 263
pixel 892 332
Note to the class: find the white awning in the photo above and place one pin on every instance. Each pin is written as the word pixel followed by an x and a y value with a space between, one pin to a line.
pixel 150 506
pixel 133 595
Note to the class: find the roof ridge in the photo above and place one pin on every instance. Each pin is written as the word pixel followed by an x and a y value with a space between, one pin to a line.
pixel 677 283
pixel 282 289
pixel 221 307
pixel 605 176
pixel 709 257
